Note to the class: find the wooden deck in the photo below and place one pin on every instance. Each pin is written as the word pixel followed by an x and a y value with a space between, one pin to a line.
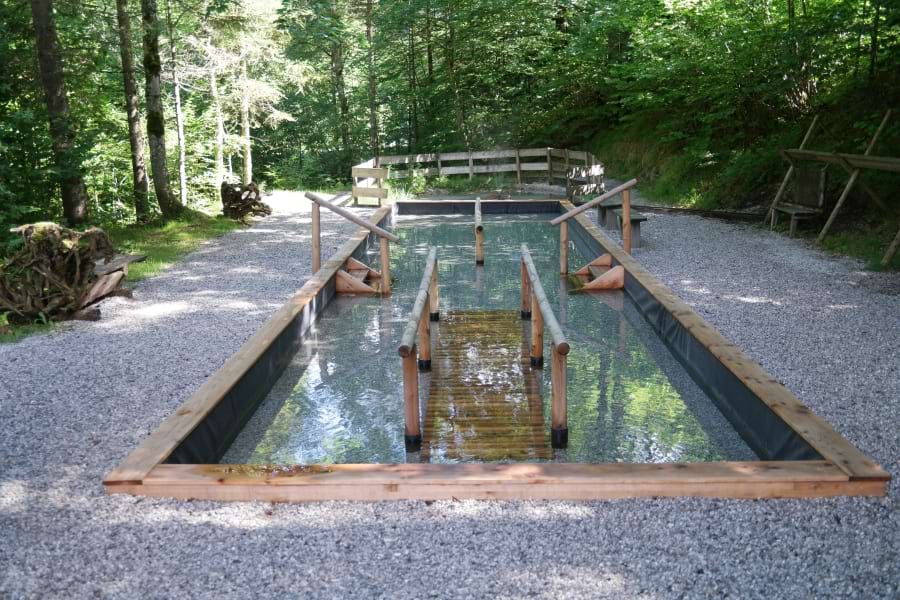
pixel 484 401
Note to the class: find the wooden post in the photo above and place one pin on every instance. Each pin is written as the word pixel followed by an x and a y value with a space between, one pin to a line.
pixel 316 238
pixel 385 267
pixel 434 298
pixel 412 429
pixel 549 166
pixel 479 234
pixel 471 166
pixel 424 343
pixel 439 164
pixel 526 292
pixel 626 221
pixel 790 172
pixel 853 177
pixel 567 164
pixel 559 428
pixel 518 168
pixel 564 248
pixel 892 250
pixel 537 334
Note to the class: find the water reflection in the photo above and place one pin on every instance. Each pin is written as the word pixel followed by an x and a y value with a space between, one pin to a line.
pixel 341 398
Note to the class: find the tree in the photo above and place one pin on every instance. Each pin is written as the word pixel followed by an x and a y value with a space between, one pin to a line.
pixel 156 121
pixel 66 156
pixel 133 112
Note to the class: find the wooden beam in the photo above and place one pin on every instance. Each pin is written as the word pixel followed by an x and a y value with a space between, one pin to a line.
pixel 626 221
pixel 537 289
pixel 479 234
pixel 537 333
pixel 408 339
pixel 526 291
pixel 891 251
pixel 559 429
pixel 412 425
pixel 545 481
pixel 853 177
pixel 856 161
pixel 385 255
pixel 316 238
pixel 587 205
pixel 332 206
pixel 563 248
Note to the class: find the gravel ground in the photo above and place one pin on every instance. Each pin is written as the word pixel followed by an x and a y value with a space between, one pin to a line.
pixel 74 403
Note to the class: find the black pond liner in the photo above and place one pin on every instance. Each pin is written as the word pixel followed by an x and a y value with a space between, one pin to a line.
pixel 763 431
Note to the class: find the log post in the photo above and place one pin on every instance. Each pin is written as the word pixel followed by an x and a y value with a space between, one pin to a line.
pixel 434 297
pixel 471 166
pixel 526 292
pixel 564 248
pixel 559 430
pixel 537 333
pixel 479 234
pixel 385 267
pixel 549 166
pixel 626 221
pixel 412 429
pixel 518 168
pixel 439 164
pixel 424 343
pixel 316 238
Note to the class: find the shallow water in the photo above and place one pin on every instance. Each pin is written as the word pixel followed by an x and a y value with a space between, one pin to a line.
pixel 340 400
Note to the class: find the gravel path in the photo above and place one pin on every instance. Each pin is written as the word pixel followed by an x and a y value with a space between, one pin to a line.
pixel 74 403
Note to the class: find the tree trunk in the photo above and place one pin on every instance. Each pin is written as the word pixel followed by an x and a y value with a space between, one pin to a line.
pixel 873 48
pixel 220 128
pixel 374 141
pixel 245 126
pixel 454 78
pixel 337 72
pixel 68 163
pixel 133 111
pixel 156 122
pixel 179 113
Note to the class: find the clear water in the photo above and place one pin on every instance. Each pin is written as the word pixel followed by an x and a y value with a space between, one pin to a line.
pixel 340 400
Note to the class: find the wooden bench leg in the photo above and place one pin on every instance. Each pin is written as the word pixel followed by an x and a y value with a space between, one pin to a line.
pixel 774 220
pixel 636 234
pixel 793 226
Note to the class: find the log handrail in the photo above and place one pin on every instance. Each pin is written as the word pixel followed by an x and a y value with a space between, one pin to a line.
pixel 408 341
pixel 332 206
pixel 587 205
pixel 556 332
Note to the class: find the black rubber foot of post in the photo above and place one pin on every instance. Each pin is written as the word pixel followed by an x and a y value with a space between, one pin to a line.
pixel 435 317
pixel 413 442
pixel 537 362
pixel 479 262
pixel 424 365
pixel 526 315
pixel 559 438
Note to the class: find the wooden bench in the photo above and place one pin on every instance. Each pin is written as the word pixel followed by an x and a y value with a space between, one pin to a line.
pixel 808 200
pixel 605 216
pixel 636 220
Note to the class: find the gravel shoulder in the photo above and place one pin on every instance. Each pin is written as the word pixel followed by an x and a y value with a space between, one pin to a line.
pixel 77 401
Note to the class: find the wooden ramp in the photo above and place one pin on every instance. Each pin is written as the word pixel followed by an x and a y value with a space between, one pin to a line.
pixel 484 402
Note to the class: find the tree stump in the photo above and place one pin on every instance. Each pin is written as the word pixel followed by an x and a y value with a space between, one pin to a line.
pixel 240 202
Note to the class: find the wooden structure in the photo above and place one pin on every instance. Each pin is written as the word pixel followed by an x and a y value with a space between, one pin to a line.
pixel 562 221
pixel 415 349
pixel 479 234
pixel 484 400
pixel 839 469
pixel 541 314
pixel 356 277
pixel 550 164
pixel 853 164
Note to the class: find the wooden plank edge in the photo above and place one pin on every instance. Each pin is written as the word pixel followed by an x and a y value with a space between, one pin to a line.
pixel 555 481
pixel 814 429
pixel 173 430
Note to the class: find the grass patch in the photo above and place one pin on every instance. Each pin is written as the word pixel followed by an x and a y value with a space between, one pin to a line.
pixel 868 246
pixel 163 243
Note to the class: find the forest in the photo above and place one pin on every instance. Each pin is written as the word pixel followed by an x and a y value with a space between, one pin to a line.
pixel 135 111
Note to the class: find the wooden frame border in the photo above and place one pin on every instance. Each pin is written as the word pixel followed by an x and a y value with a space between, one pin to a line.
pixel 845 471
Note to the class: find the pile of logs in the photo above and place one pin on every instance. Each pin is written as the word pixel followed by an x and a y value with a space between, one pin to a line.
pixel 52 276
pixel 240 202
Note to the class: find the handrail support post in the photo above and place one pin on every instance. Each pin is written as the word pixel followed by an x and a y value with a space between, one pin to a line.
pixel 559 430
pixel 316 237
pixel 526 292
pixel 537 334
pixel 412 430
pixel 385 267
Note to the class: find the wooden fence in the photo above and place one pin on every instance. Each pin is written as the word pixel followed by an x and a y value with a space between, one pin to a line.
pixel 529 164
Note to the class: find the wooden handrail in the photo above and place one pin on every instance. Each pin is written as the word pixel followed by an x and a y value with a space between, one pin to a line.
pixel 580 209
pixel 409 334
pixel 541 315
pixel 537 289
pixel 417 356
pixel 350 216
